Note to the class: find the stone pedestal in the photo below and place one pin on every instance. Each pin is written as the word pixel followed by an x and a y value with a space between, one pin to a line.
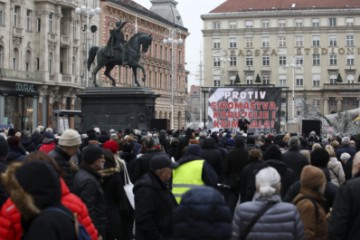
pixel 117 108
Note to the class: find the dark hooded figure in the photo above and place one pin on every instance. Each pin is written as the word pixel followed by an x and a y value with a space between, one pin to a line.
pixel 213 156
pixel 16 152
pixel 194 218
pixel 35 190
pixel 273 158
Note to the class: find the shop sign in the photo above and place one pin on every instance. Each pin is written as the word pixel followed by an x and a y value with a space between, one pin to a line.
pixel 25 87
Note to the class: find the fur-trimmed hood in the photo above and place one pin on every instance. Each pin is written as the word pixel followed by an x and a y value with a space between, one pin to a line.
pixel 32 186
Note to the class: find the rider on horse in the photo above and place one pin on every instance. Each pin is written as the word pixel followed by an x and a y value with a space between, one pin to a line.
pixel 116 41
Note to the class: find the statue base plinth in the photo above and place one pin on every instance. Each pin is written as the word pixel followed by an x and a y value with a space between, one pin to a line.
pixel 117 108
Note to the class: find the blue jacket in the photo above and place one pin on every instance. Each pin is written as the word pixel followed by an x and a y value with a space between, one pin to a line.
pixel 282 221
pixel 202 214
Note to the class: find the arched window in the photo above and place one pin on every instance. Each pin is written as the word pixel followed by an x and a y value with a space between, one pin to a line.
pixel 50 62
pixel 28 61
pixel 350 78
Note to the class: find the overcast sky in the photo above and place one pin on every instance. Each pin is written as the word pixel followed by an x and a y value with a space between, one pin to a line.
pixel 190 11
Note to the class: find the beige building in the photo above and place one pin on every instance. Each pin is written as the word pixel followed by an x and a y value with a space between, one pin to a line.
pixel 42 48
pixel 43 53
pixel 310 48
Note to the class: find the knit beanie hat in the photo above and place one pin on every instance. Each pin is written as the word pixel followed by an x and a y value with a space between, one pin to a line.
pixel 91 153
pixel 70 138
pixel 319 157
pixel 111 145
pixel 345 157
pixel 193 149
pixel 40 180
pixel 312 177
pixel 273 152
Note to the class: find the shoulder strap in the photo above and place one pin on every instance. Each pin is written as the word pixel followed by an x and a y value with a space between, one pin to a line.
pixel 313 201
pixel 256 218
pixel 334 174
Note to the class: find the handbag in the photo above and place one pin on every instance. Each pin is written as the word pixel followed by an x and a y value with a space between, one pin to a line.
pixel 128 187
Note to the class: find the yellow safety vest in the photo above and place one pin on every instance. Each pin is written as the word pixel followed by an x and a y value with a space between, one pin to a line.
pixel 186 177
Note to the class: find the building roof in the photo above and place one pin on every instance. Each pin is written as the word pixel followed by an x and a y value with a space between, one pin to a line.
pixel 133 6
pixel 246 5
pixel 167 9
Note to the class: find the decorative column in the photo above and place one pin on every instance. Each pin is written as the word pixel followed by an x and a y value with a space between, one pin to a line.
pixel 35 113
pixel 339 104
pixel 2 109
pixel 326 106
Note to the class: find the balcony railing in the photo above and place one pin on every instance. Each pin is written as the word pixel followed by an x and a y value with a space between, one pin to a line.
pixel 38 77
pixel 341 86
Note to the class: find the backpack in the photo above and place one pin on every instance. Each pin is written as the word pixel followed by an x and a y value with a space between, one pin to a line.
pixel 80 231
pixel 313 201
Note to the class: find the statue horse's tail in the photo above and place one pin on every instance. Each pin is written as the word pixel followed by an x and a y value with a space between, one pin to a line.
pixel 92 53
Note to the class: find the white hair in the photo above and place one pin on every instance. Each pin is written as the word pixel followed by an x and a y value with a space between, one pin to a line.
pixel 267 182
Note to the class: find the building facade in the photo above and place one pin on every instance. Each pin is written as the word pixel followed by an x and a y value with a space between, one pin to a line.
pixel 42 51
pixel 164 62
pixel 310 49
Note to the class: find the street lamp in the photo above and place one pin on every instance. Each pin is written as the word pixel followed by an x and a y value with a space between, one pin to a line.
pixel 89 13
pixel 172 41
pixel 293 66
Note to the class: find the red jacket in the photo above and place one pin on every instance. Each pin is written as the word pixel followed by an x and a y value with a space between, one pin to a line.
pixel 10 219
pixel 47 147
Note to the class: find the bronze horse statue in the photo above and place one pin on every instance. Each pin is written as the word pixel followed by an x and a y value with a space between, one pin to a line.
pixel 139 41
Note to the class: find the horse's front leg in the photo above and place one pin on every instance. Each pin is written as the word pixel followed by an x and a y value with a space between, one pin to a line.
pixel 134 68
pixel 93 75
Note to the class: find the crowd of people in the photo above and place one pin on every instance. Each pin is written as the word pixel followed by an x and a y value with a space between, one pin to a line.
pixel 192 184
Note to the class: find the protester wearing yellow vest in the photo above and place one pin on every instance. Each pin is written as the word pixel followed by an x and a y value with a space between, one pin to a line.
pixel 193 171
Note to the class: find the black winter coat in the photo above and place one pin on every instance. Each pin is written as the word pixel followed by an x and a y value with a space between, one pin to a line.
pixel 345 217
pixel 286 174
pixel 247 180
pixel 213 156
pixel 296 161
pixel 87 185
pixel 63 160
pixel 50 225
pixel 154 203
pixel 118 207
pixel 142 164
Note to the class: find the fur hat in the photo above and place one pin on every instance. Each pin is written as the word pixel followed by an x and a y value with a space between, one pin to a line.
pixel 70 138
pixel 312 177
pixel 91 153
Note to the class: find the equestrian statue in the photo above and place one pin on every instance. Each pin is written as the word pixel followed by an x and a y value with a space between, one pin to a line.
pixel 119 52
